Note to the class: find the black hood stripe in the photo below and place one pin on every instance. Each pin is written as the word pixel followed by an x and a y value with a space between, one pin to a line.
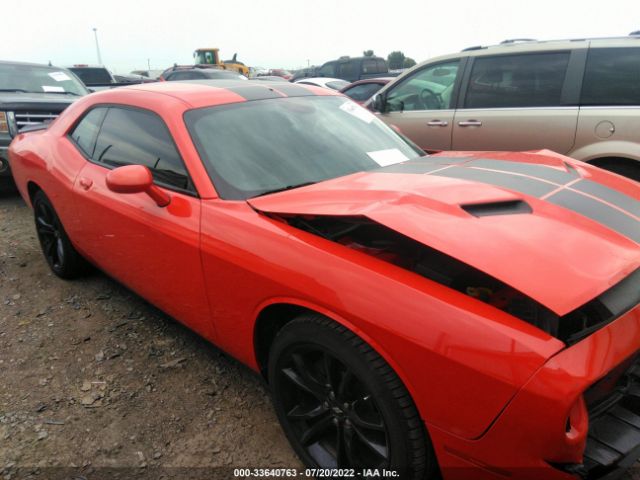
pixel 609 207
pixel 609 195
pixel 519 183
pixel 598 211
pixel 541 172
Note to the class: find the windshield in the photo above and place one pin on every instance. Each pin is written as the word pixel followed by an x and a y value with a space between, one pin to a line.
pixel 257 147
pixel 36 79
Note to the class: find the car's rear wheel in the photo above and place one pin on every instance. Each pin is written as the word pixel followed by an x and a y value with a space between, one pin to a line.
pixel 341 405
pixel 62 257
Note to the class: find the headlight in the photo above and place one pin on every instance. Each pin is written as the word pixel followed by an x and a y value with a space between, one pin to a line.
pixel 4 125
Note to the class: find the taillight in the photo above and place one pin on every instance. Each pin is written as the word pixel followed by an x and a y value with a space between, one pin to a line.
pixel 4 124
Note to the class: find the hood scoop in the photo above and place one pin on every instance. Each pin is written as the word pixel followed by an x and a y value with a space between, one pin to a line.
pixel 490 209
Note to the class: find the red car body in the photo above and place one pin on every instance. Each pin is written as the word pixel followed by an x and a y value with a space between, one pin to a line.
pixel 498 396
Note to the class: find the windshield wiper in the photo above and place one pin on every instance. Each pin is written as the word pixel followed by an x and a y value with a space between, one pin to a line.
pixel 13 90
pixel 67 93
pixel 282 189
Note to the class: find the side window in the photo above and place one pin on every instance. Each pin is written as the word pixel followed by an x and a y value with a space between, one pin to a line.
pixel 532 80
pixel 346 70
pixel 363 92
pixel 182 76
pixel 612 77
pixel 430 88
pixel 137 137
pixel 327 70
pixel 86 131
pixel 369 65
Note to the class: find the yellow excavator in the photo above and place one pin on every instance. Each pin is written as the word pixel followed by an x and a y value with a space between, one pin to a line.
pixel 210 56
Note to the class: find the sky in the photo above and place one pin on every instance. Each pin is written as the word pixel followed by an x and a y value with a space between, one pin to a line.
pixel 289 33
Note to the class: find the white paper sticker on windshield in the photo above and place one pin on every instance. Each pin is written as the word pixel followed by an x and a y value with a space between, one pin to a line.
pixel 59 76
pixel 357 111
pixel 52 88
pixel 387 157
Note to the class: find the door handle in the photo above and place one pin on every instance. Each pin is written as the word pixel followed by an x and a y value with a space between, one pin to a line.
pixel 470 123
pixel 85 183
pixel 437 123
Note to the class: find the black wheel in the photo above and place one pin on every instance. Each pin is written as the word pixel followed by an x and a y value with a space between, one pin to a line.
pixel 62 258
pixel 626 168
pixel 341 405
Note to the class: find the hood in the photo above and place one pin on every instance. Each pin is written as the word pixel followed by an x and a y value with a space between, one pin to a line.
pixel 55 102
pixel 555 229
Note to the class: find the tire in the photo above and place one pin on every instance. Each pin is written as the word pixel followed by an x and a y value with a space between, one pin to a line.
pixel 626 168
pixel 61 256
pixel 341 405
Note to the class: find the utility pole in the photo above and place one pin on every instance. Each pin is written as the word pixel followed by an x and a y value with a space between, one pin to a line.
pixel 95 33
pixel 148 64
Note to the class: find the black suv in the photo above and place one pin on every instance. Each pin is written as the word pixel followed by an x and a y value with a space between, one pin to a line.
pixel 30 95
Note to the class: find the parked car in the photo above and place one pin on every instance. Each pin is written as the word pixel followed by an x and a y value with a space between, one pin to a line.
pixel 30 95
pixel 354 68
pixel 362 90
pixel 579 97
pixel 279 72
pixel 332 83
pixel 269 78
pixel 152 74
pixel 131 78
pixel 305 73
pixel 93 75
pixel 470 315
pixel 203 73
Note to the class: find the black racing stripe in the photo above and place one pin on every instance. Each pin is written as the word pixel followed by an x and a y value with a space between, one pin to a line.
pixel 543 172
pixel 422 165
pixel 526 185
pixel 598 211
pixel 614 197
pixel 255 92
pixel 291 90
pixel 411 167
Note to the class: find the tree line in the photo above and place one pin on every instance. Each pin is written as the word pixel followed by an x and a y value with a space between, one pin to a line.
pixel 396 60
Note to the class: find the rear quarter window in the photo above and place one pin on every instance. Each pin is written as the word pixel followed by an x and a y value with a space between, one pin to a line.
pixel 86 131
pixel 612 77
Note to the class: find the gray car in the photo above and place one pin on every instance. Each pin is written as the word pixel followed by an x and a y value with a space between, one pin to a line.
pixel 580 98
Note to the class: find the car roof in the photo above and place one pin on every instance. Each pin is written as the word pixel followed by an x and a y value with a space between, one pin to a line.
pixel 382 80
pixel 518 46
pixel 29 64
pixel 201 93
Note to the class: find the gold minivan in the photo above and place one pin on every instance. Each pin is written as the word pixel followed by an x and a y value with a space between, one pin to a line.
pixel 577 97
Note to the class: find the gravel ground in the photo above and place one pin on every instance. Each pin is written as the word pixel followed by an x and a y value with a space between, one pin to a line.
pixel 96 383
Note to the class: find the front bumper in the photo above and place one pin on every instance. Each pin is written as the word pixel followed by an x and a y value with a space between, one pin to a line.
pixel 553 428
pixel 5 171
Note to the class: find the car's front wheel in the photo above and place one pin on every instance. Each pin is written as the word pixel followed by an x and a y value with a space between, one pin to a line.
pixel 341 405
pixel 62 257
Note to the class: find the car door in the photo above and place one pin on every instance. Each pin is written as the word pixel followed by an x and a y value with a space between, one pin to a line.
pixel 422 105
pixel 517 102
pixel 153 250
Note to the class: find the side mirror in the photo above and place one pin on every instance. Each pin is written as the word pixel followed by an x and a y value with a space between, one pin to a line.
pixel 378 103
pixel 136 179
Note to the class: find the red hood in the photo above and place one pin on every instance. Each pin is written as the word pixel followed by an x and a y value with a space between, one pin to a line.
pixel 581 236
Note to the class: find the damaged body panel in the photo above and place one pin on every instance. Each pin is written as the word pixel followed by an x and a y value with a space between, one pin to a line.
pixel 563 247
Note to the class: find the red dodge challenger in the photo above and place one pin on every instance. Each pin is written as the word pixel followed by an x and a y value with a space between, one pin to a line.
pixel 470 315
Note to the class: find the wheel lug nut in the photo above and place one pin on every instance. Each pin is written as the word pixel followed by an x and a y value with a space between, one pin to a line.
pixel 346 405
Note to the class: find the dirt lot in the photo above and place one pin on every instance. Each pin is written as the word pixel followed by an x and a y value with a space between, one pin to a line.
pixel 97 384
pixel 94 378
